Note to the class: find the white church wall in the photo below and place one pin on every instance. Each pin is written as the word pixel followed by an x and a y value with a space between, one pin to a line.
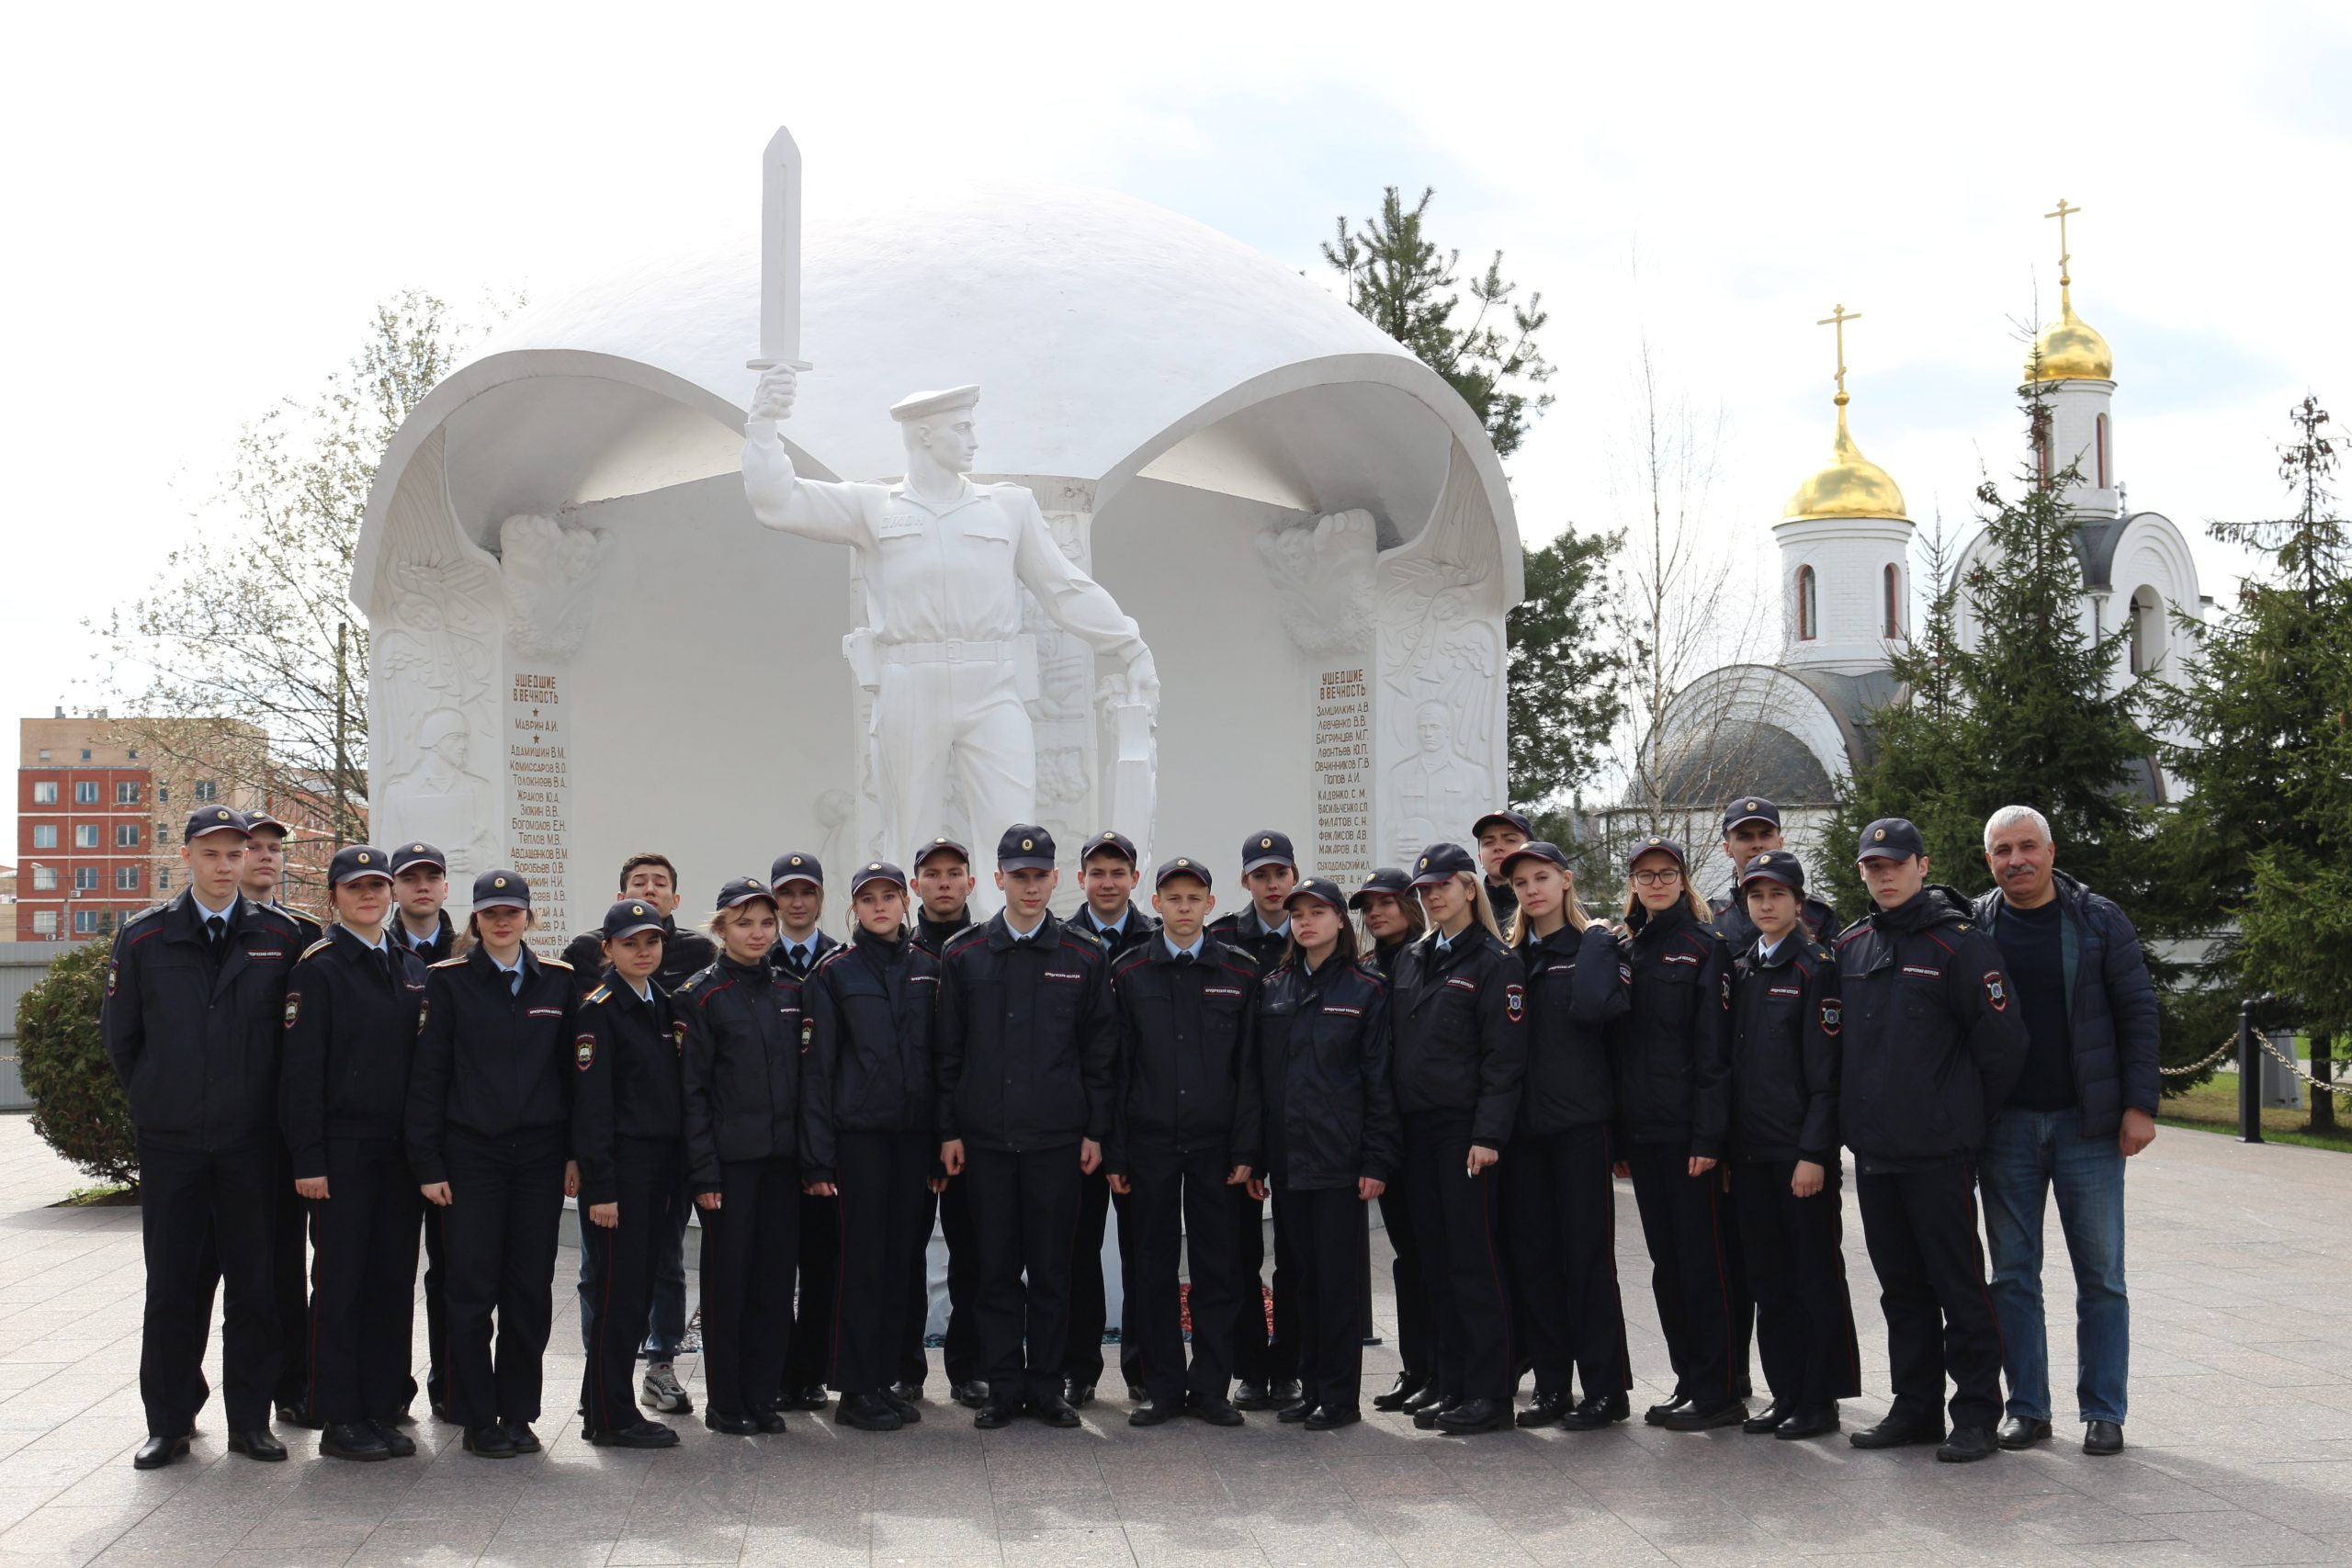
pixel 2077 408
pixel 1848 557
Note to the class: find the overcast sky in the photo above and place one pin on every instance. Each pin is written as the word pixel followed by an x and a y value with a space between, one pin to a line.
pixel 206 204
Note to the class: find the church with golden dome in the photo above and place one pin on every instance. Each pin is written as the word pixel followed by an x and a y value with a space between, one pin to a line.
pixel 1796 729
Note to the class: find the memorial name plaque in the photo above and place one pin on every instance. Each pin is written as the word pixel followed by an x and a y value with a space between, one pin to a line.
pixel 1344 777
pixel 539 767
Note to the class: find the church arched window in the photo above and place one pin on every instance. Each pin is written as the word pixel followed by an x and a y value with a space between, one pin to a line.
pixel 2147 642
pixel 2098 430
pixel 1893 603
pixel 1808 608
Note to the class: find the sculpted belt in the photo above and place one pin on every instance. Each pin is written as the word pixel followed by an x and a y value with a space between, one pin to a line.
pixel 950 653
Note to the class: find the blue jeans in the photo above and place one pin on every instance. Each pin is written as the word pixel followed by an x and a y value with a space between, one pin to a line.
pixel 665 1325
pixel 2025 1154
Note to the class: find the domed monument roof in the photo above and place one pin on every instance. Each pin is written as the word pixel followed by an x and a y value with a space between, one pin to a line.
pixel 1849 485
pixel 2068 349
pixel 1108 336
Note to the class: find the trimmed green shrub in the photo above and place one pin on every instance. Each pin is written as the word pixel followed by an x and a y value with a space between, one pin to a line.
pixel 78 1105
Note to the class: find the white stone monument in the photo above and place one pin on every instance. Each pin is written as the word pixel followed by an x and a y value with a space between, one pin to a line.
pixel 578 614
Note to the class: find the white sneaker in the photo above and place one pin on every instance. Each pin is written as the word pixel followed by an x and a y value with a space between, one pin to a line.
pixel 662 1391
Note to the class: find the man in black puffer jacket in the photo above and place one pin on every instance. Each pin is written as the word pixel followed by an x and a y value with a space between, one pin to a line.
pixel 1933 1043
pixel 2086 1102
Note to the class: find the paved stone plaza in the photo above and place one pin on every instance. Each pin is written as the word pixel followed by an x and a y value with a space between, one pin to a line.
pixel 2240 1434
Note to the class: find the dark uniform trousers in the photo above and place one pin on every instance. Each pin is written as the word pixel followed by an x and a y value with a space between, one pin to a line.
pixel 1331 1250
pixel 1190 1187
pixel 1404 1274
pixel 363 1283
pixel 884 1220
pixel 809 1359
pixel 1457 1216
pixel 1682 1222
pixel 648 1177
pixel 1561 1205
pixel 961 1354
pixel 1920 1226
pixel 1089 1311
pixel 1025 1219
pixel 1258 1357
pixel 1796 1262
pixel 195 1207
pixel 290 1270
pixel 750 1243
pixel 1740 1337
pixel 498 1239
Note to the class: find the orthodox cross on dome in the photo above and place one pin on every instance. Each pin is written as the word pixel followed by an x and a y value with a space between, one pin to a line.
pixel 1838 318
pixel 2062 213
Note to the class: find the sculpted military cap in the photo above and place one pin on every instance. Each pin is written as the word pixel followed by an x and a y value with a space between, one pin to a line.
pixel 1775 865
pixel 1440 862
pixel 1182 866
pixel 501 890
pixel 1750 808
pixel 1321 888
pixel 796 865
pixel 923 405
pixel 876 871
pixel 1641 847
pixel 1889 838
pixel 261 821
pixel 207 819
pixel 629 917
pixel 1108 842
pixel 357 862
pixel 942 847
pixel 1387 879
pixel 417 852
pixel 1266 847
pixel 1505 818
pixel 1026 847
pixel 741 890
pixel 1534 849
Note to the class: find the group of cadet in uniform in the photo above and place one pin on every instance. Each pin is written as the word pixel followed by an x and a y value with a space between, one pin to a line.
pixel 1459 1041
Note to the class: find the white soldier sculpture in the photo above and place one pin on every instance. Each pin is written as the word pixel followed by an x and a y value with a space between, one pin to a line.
pixel 944 560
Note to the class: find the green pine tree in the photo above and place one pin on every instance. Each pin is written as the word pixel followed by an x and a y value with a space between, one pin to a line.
pixel 2260 849
pixel 2028 715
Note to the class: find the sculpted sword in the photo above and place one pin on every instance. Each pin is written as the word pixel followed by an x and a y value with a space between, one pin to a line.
pixel 780 255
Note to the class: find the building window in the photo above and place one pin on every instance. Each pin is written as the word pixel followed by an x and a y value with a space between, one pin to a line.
pixel 126 836
pixel 1893 603
pixel 163 794
pixel 134 753
pixel 1808 606
pixel 85 835
pixel 126 794
pixel 2098 432
pixel 85 879
pixel 93 923
pixel 85 791
pixel 45 922
pixel 207 792
pixel 126 879
pixel 45 792
pixel 162 879
pixel 85 753
pixel 2147 629
pixel 44 835
pixel 44 878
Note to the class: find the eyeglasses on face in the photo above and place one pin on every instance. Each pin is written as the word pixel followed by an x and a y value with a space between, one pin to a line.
pixel 1665 878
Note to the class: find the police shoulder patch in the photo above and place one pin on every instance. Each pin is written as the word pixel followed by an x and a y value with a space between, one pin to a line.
pixel 1833 1015
pixel 113 975
pixel 1515 1002
pixel 1726 984
pixel 424 1009
pixel 678 1033
pixel 1997 990
pixel 293 1008
pixel 583 1049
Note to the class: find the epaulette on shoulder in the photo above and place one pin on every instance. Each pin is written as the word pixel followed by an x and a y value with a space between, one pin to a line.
pixel 832 955
pixel 1085 936
pixel 446 963
pixel 300 913
pixel 963 940
pixel 1139 953
pixel 689 983
pixel 1857 928
pixel 149 913
pixel 600 994
pixel 556 963
pixel 284 917
pixel 323 942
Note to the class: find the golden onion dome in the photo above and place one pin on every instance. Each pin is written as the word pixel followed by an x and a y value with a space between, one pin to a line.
pixel 1849 485
pixel 2070 349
